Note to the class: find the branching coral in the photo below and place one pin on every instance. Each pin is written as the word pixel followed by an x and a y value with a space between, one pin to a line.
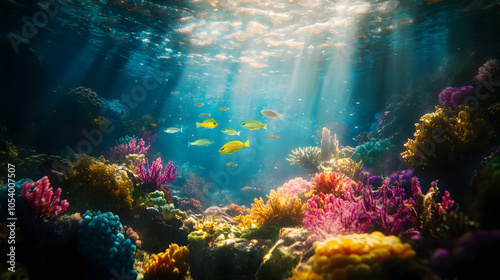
pixel 440 220
pixel 331 182
pixel 281 209
pixel 355 256
pixel 132 146
pixel 155 178
pixel 445 137
pixel 42 201
pixel 384 210
pixel 307 157
pixel 170 264
pixel 94 184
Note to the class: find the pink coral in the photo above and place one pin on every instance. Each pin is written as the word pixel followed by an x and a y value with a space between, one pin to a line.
pixel 134 146
pixel 42 201
pixel 296 186
pixel 384 210
pixel 154 178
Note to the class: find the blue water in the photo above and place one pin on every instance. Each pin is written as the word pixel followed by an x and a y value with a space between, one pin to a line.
pixel 335 64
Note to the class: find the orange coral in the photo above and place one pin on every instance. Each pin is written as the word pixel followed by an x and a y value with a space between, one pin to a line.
pixel 245 221
pixel 331 183
pixel 170 264
pixel 281 208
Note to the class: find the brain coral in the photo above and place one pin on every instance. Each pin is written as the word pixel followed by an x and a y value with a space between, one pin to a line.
pixel 355 256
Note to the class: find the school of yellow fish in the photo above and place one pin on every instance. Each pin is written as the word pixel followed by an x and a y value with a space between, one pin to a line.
pixel 232 146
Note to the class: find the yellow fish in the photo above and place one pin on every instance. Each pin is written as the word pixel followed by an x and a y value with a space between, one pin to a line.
pixel 198 104
pixel 223 108
pixel 231 164
pixel 208 123
pixel 253 125
pixel 230 131
pixel 272 137
pixel 153 125
pixel 233 146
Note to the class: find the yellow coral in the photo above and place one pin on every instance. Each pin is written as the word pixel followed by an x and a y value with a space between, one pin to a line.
pixel 245 221
pixel 444 137
pixel 281 209
pixel 170 264
pixel 97 185
pixel 352 256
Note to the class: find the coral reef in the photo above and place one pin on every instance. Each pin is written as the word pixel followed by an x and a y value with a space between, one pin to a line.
pixel 97 185
pixel 170 264
pixel 143 123
pixel 438 220
pixel 297 186
pixel 445 138
pixel 106 248
pixel 373 151
pixel 307 157
pixel 331 182
pixel 167 210
pixel 356 256
pixel 487 72
pixel 281 209
pixel 113 109
pixel 286 253
pixel 346 166
pixel 452 97
pixel 132 146
pixel 42 202
pixel 84 101
pixel 384 210
pixel 155 178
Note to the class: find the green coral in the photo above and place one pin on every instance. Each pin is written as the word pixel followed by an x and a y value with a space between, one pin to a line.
pixel 167 210
pixel 261 232
pixel 199 236
pixel 373 151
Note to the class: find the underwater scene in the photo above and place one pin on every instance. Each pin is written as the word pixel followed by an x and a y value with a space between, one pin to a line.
pixel 249 139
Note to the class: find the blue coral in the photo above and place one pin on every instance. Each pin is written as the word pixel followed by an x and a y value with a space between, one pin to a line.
pixel 101 241
pixel 113 109
pixel 373 151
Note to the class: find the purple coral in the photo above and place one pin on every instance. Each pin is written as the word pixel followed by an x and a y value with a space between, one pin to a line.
pixel 42 201
pixel 453 97
pixel 133 146
pixel 153 178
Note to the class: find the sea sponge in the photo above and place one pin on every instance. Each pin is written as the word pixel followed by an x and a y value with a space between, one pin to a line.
pixel 331 182
pixel 445 137
pixel 97 185
pixel 170 264
pixel 354 256
pixel 281 208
